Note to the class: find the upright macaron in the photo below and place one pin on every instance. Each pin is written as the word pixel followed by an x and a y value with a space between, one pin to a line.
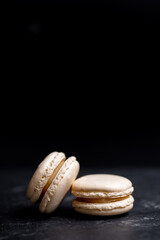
pixel 102 194
pixel 52 180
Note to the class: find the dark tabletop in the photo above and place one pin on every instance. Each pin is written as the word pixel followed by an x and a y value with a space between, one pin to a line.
pixel 20 220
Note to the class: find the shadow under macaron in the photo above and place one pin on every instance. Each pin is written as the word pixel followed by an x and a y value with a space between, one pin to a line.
pixel 70 213
pixel 32 213
pixel 28 213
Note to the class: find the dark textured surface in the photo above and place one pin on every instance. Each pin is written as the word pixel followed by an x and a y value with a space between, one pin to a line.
pixel 20 220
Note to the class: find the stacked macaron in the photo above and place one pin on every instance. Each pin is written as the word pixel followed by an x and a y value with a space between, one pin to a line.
pixel 98 194
pixel 102 194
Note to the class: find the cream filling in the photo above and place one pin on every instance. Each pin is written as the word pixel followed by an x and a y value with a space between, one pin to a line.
pixel 96 194
pixel 50 180
pixel 56 181
pixel 105 204
pixel 100 200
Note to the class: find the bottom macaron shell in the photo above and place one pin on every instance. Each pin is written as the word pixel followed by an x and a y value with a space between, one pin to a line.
pixel 104 209
pixel 60 186
pixel 113 212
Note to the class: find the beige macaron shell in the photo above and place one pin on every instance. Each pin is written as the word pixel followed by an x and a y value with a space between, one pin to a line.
pixel 104 209
pixel 102 186
pixel 60 185
pixel 111 212
pixel 42 175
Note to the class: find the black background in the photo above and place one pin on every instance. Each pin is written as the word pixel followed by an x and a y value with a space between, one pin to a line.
pixel 80 77
pixel 85 82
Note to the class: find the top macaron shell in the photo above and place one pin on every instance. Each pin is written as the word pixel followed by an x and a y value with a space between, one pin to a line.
pixel 42 174
pixel 102 186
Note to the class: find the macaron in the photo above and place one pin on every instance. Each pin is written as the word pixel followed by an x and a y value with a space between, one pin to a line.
pixel 52 180
pixel 102 195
